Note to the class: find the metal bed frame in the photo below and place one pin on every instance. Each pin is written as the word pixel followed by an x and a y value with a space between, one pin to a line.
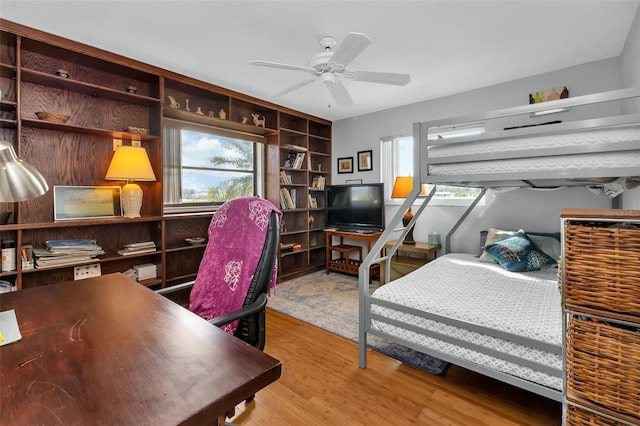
pixel 422 160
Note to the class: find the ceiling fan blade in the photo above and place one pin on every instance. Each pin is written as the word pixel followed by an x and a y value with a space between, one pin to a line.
pixel 380 77
pixel 339 93
pixel 348 50
pixel 283 66
pixel 294 87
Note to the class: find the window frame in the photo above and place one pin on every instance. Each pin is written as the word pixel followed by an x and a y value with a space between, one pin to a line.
pixel 172 163
pixel 390 169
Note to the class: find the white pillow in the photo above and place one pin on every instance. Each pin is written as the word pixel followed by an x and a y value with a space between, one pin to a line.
pixel 493 236
pixel 551 246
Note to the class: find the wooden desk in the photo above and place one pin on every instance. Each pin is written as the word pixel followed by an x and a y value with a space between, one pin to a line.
pixel 108 351
pixel 345 263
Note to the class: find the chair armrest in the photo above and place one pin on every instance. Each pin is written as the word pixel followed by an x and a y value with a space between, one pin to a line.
pixel 257 306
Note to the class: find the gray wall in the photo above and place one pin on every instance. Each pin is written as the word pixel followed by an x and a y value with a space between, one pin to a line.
pixel 630 68
pixel 527 209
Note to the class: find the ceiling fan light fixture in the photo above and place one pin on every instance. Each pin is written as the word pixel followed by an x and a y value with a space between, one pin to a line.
pixel 329 79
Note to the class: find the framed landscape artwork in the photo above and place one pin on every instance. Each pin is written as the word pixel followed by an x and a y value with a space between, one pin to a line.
pixel 345 165
pixel 86 202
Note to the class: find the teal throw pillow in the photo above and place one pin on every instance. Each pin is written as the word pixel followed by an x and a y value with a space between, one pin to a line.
pixel 519 254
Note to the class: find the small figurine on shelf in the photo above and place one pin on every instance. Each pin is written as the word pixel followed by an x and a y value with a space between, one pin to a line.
pixel 199 111
pixel 173 103
pixel 244 120
pixel 257 120
pixel 211 114
pixel 222 115
pixel 186 106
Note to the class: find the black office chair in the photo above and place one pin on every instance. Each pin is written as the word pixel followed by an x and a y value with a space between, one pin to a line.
pixel 251 328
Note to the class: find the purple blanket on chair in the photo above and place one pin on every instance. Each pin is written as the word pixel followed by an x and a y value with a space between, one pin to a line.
pixel 236 235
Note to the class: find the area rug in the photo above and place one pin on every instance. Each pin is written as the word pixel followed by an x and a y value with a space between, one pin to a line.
pixel 330 301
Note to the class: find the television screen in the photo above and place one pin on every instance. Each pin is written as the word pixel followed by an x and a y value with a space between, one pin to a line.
pixel 356 208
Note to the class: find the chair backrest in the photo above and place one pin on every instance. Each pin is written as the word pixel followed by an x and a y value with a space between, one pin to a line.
pixel 237 266
pixel 249 328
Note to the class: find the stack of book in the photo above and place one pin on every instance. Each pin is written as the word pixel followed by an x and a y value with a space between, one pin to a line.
pixel 146 271
pixel 137 248
pixel 67 252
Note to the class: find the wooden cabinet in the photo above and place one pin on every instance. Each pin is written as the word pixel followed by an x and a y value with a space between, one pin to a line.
pixel 407 258
pixel 105 96
pixel 305 170
pixel 601 302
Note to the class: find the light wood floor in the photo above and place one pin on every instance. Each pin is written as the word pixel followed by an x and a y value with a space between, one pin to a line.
pixel 321 384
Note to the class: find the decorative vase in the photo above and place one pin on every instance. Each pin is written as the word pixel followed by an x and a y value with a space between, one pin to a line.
pixel 222 115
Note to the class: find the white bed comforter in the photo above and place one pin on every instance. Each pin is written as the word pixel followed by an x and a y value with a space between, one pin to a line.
pixel 458 286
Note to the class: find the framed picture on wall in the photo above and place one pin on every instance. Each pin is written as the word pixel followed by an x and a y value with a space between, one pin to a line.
pixel 364 161
pixel 345 165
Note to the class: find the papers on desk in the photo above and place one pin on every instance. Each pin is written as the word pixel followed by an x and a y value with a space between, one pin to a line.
pixel 9 331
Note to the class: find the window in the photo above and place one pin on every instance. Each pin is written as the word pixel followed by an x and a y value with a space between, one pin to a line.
pixel 397 160
pixel 204 167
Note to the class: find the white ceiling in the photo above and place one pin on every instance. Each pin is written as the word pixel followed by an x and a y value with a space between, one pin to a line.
pixel 447 47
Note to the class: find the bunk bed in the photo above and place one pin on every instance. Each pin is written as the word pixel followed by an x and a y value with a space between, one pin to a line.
pixel 507 325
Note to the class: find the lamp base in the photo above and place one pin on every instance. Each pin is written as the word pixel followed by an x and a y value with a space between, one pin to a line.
pixel 408 239
pixel 131 200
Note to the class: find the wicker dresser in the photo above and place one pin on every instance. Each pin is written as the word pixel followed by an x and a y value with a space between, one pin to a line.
pixel 601 300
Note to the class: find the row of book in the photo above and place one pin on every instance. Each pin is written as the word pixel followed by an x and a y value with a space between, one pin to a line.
pixel 285 179
pixel 318 182
pixel 288 199
pixel 294 160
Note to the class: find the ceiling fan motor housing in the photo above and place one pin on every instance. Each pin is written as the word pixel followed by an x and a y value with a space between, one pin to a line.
pixel 320 61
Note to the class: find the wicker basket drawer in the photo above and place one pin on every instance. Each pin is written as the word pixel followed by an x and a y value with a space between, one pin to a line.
pixel 576 416
pixel 602 267
pixel 603 365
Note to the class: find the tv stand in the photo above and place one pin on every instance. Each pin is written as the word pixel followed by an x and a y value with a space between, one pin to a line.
pixel 345 263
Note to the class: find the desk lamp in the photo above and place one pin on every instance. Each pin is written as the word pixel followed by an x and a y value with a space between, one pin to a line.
pixel 19 180
pixel 131 163
pixel 402 187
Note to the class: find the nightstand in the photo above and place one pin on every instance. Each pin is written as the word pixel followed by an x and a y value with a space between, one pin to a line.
pixel 407 258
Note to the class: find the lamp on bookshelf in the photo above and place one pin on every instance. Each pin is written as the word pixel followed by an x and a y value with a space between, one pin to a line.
pixel 131 163
pixel 19 180
pixel 402 187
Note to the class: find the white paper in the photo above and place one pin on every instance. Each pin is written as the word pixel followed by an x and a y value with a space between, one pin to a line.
pixel 9 327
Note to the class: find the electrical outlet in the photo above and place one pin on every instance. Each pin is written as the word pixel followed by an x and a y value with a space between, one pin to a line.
pixel 117 143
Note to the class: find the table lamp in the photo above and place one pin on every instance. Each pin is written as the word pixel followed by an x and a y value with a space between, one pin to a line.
pixel 19 180
pixel 402 187
pixel 131 163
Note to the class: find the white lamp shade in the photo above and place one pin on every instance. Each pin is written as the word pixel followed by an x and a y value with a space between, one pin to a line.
pixel 19 180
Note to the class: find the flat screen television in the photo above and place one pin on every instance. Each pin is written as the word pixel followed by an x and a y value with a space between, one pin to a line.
pixel 356 208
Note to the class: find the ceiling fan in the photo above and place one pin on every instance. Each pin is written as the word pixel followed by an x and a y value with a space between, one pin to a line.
pixel 330 66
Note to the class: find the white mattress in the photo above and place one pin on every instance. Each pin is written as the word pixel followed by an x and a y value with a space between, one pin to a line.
pixel 562 165
pixel 568 153
pixel 458 286
pixel 580 141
